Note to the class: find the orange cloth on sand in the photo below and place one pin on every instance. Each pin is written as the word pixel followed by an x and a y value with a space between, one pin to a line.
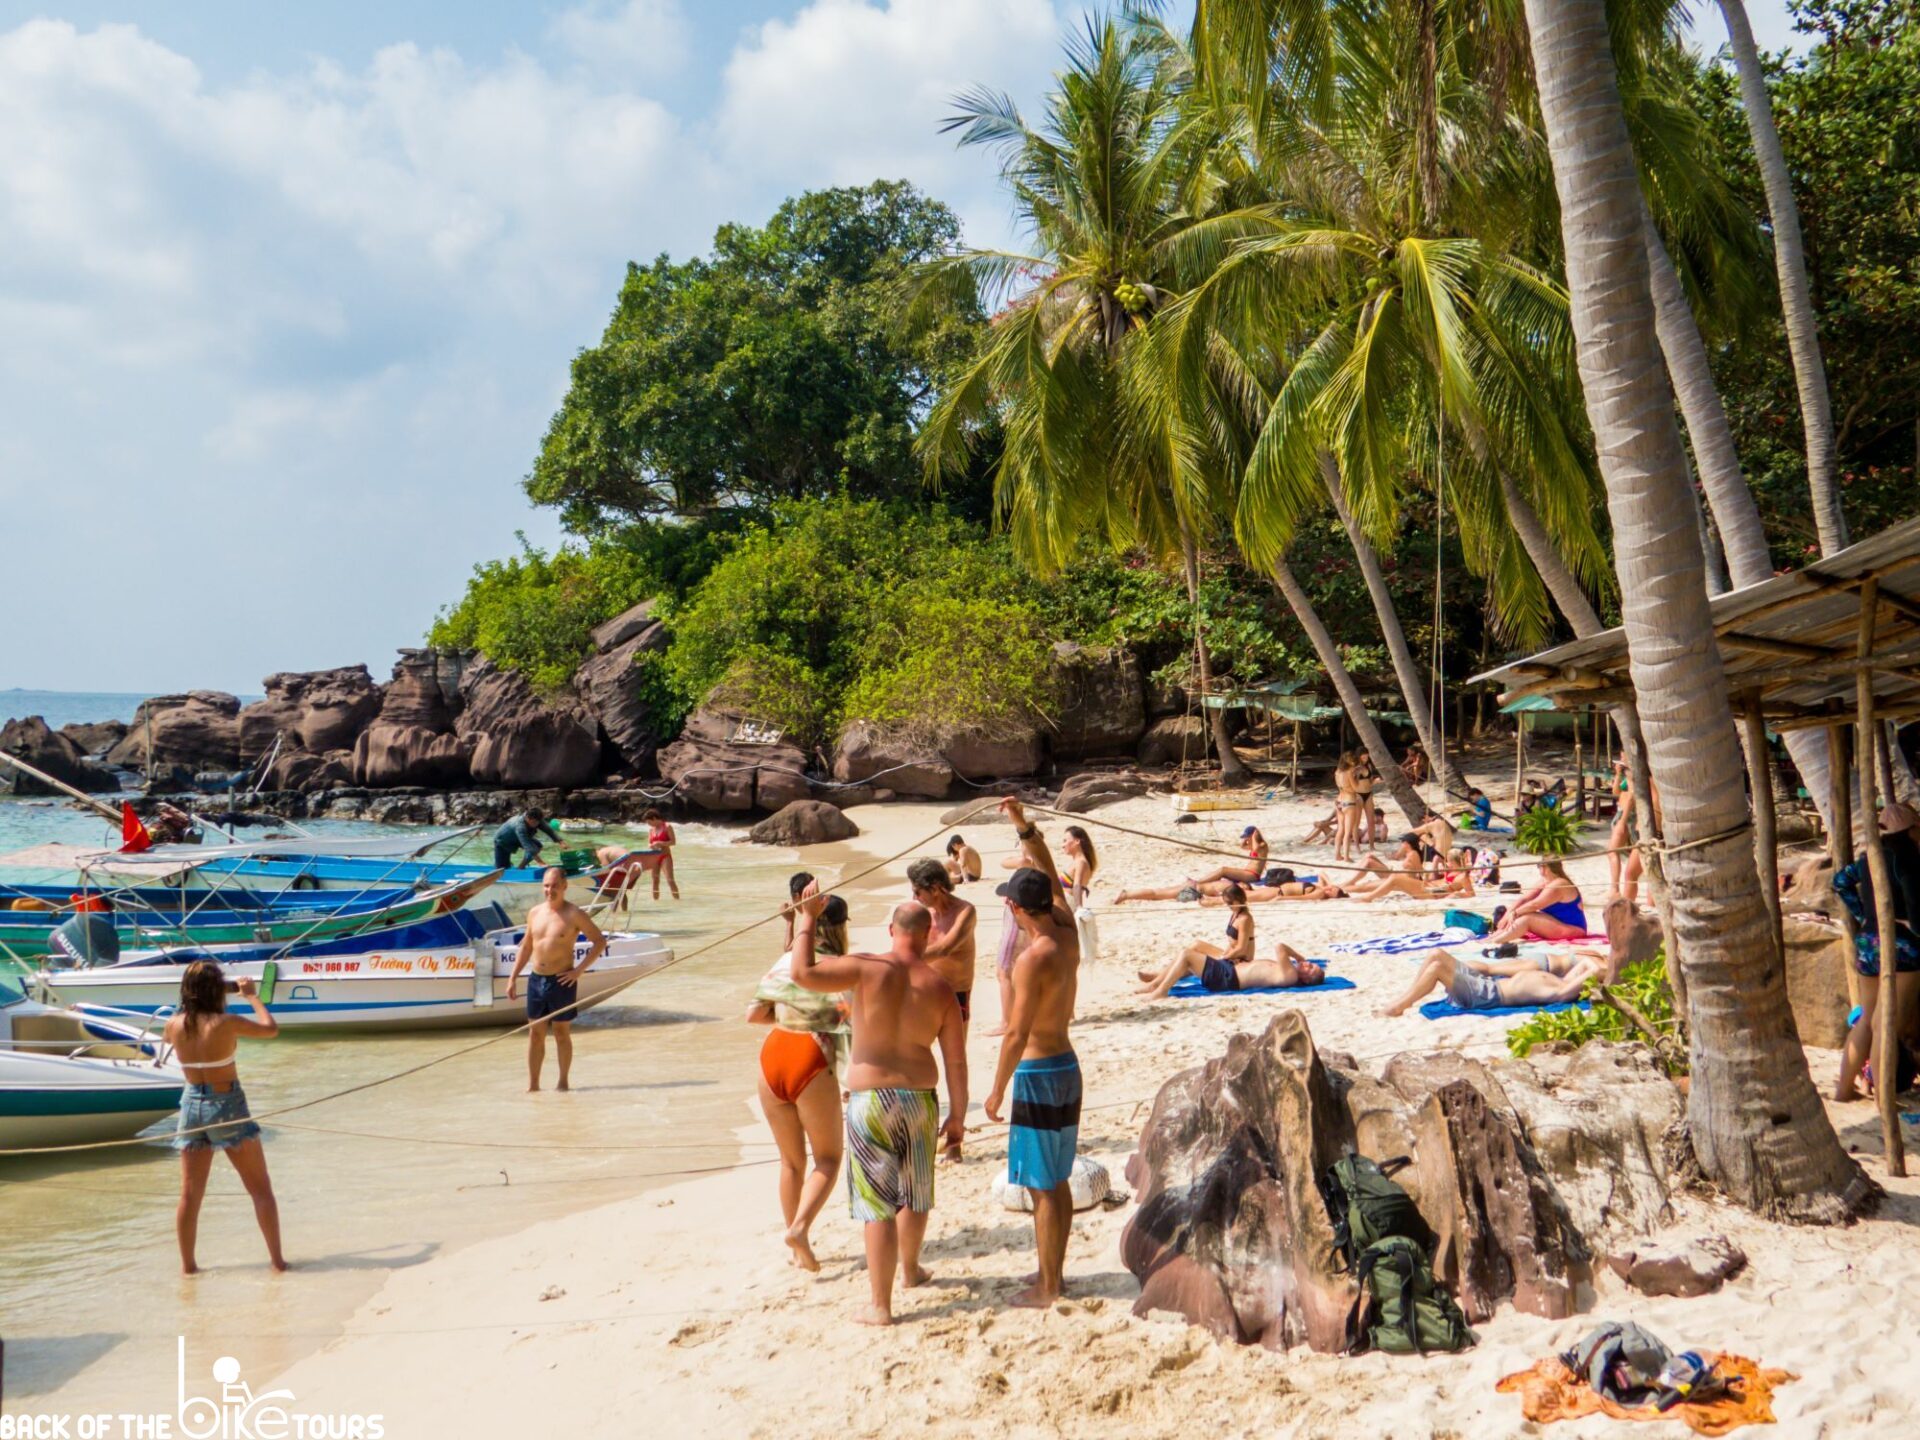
pixel 1549 1391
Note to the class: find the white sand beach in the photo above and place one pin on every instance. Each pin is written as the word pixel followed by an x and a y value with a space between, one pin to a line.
pixel 676 1312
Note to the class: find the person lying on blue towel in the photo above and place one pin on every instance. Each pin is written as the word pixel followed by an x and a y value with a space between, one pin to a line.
pixel 1233 966
pixel 1496 984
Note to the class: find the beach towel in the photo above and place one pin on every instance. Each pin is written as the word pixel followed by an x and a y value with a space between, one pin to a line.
pixel 1549 1391
pixel 1446 1009
pixel 1405 944
pixel 1191 988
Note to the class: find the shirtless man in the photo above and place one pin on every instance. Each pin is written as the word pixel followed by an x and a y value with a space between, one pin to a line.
pixel 552 990
pixel 1480 985
pixel 901 1006
pixel 950 945
pixel 1037 1055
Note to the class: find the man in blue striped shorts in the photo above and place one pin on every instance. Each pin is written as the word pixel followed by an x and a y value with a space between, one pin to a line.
pixel 1037 1058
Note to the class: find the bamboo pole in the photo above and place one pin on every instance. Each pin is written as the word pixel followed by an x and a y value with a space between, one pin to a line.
pixel 1766 844
pixel 1886 1016
pixel 1519 759
pixel 1840 836
pixel 85 799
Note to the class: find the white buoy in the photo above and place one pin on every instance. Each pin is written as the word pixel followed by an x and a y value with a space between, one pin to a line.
pixel 1088 1183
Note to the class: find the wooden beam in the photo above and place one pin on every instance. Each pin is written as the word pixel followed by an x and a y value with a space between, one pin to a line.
pixel 1886 1015
pixel 1765 825
pixel 1840 833
pixel 1788 649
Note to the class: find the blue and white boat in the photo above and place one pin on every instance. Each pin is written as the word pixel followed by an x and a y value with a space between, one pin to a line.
pixel 68 1078
pixel 447 972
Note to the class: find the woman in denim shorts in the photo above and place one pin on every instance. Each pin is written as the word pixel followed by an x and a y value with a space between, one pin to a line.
pixel 213 1111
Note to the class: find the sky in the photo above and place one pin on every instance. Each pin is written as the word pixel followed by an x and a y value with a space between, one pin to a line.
pixel 288 293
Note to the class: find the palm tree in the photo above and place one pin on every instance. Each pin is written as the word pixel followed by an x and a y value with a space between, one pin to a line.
pixel 1106 185
pixel 1796 296
pixel 1757 1123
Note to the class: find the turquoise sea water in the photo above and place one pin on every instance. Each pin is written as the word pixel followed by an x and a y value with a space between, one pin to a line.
pixel 68 707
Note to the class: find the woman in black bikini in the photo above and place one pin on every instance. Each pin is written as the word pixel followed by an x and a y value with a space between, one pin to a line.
pixel 1214 964
pixel 213 1112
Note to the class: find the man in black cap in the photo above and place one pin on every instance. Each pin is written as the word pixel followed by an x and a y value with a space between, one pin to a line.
pixel 1036 1057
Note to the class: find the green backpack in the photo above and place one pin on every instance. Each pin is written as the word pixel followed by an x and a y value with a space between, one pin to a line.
pixel 1380 1236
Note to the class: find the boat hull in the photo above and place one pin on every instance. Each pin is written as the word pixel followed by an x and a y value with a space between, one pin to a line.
pixel 385 990
pixel 65 1080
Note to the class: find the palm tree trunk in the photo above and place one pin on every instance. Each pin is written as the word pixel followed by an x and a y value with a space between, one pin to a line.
pixel 1232 770
pixel 1404 795
pixel 1567 592
pixel 1758 1125
pixel 1743 537
pixel 1412 689
pixel 1796 297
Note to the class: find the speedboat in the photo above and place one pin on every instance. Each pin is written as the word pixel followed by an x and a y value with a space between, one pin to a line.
pixel 68 1078
pixel 448 972
pixel 28 934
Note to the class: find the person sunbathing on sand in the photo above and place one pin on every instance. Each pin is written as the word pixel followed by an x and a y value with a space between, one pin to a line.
pixel 1236 969
pixel 1308 889
pixel 1323 831
pixel 1256 847
pixel 1472 985
pixel 1204 958
pixel 1550 911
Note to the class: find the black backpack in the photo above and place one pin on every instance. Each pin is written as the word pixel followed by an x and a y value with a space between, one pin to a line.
pixel 1380 1237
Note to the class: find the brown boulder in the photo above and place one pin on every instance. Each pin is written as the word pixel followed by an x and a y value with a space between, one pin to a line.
pixel 804 822
pixel 306 772
pixel 979 756
pixel 1098 702
pixel 715 772
pixel 866 752
pixel 1231 1231
pixel 1810 890
pixel 1089 792
pixel 1633 934
pixel 386 756
pixel 95 737
pixel 1818 957
pixel 520 740
pixel 609 688
pixel 424 690
pixel 1698 1265
pixel 1173 739
pixel 31 739
pixel 199 730
pixel 314 710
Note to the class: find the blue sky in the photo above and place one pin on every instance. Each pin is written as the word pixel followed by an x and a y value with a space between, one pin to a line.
pixel 287 293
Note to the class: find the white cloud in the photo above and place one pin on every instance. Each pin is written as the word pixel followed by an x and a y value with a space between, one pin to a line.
pixel 850 90
pixel 646 37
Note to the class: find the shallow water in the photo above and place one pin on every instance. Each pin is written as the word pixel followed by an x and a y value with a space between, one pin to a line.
pixel 90 1295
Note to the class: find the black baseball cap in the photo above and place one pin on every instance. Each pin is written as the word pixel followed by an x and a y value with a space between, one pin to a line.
pixel 1030 890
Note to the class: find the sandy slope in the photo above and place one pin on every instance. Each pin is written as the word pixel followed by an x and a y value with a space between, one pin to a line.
pixel 675 1312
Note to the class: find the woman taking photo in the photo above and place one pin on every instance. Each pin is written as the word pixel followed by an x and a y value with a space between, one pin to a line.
pixel 799 1092
pixel 213 1110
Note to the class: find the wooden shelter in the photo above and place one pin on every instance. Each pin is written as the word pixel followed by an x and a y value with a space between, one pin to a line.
pixel 1835 646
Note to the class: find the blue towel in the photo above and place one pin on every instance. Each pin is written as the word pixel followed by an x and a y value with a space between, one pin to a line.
pixel 1191 988
pixel 1405 944
pixel 1446 1009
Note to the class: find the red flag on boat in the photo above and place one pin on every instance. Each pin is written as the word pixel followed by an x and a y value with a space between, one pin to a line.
pixel 133 835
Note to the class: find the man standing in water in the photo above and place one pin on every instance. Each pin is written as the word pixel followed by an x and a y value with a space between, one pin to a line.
pixel 553 926
pixel 950 945
pixel 901 1006
pixel 1037 1055
pixel 521 836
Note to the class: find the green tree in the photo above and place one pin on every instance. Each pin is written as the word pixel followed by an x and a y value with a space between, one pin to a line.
pixel 771 369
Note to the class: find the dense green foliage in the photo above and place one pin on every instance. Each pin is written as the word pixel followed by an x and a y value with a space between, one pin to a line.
pixel 772 369
pixel 1547 830
pixel 1643 986
pixel 1848 112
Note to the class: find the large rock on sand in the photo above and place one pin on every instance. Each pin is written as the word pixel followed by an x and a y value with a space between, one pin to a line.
pixel 1521 1170
pixel 521 740
pixel 804 822
pixel 31 740
pixel 312 710
pixel 197 731
pixel 867 752
pixel 1098 702
pixel 1097 788
pixel 715 769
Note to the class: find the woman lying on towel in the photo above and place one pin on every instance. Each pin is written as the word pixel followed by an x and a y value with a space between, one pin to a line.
pixel 1414 877
pixel 1214 882
pixel 1289 888
pixel 1479 985
pixel 1550 911
pixel 1233 968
